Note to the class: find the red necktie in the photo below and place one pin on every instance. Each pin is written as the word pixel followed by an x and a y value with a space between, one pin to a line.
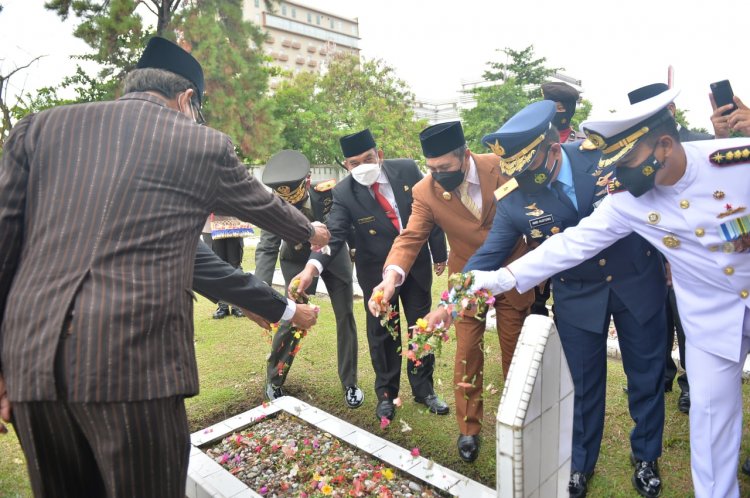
pixel 389 211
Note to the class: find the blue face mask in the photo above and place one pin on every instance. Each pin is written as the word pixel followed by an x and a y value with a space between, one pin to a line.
pixel 640 179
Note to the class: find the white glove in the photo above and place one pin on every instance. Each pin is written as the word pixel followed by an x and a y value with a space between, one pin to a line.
pixel 496 282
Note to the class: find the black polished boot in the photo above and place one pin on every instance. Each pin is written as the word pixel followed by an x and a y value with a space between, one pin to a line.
pixel 222 311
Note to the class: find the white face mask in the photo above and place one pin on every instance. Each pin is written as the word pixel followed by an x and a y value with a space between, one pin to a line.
pixel 366 174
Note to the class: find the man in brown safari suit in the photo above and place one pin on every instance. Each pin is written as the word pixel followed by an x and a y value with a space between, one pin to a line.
pixel 459 197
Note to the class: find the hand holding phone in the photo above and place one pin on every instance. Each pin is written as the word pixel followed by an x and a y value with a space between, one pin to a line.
pixel 723 95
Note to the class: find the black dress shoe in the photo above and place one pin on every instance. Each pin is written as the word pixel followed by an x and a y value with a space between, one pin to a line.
pixel 237 312
pixel 646 480
pixel 578 485
pixel 385 409
pixel 746 467
pixel 273 392
pixel 221 312
pixel 468 447
pixel 434 404
pixel 353 396
pixel 683 402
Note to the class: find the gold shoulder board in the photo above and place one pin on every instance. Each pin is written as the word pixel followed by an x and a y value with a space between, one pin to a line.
pixel 727 157
pixel 325 185
pixel 506 188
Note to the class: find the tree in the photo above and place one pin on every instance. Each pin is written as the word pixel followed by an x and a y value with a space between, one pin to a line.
pixel 512 86
pixel 6 110
pixel 228 48
pixel 316 110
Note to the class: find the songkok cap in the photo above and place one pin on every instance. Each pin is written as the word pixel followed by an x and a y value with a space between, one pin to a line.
pixel 617 134
pixel 646 92
pixel 286 173
pixel 439 139
pixel 161 53
pixel 518 140
pixel 558 91
pixel 357 143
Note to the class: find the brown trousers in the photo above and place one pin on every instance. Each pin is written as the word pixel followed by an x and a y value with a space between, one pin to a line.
pixel 469 365
pixel 116 449
pixel 138 448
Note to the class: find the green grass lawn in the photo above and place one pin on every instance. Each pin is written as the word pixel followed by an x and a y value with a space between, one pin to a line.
pixel 231 359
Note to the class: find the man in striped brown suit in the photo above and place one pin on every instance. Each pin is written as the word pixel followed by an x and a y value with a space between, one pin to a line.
pixel 101 207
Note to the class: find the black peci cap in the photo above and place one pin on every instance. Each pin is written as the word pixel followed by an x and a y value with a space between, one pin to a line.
pixel 161 53
pixel 440 139
pixel 357 143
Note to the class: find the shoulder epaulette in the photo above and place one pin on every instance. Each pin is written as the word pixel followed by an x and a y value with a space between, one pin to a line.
pixel 325 185
pixel 506 188
pixel 587 145
pixel 728 157
pixel 614 186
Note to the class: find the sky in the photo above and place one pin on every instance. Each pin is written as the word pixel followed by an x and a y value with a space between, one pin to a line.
pixel 434 45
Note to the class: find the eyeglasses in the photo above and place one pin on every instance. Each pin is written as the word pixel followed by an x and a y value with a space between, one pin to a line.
pixel 199 119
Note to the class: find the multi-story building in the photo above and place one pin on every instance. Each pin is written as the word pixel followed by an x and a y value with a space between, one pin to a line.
pixel 450 110
pixel 302 38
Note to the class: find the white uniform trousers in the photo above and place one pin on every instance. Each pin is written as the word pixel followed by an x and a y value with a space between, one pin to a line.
pixel 716 418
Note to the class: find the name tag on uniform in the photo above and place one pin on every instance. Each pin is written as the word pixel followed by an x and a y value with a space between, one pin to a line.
pixel 368 219
pixel 541 221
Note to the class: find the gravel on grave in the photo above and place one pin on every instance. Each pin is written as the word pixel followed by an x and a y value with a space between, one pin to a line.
pixel 284 456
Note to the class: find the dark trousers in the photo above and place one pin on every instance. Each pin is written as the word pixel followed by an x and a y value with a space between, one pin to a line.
pixel 642 347
pixel 338 279
pixel 122 449
pixel 675 324
pixel 385 351
pixel 231 251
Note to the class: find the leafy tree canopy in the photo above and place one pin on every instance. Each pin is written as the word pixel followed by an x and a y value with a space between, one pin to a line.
pixel 316 110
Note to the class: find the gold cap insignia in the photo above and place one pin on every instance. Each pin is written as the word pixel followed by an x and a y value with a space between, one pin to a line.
pixel 292 196
pixel 496 148
pixel 587 145
pixel 518 161
pixel 596 140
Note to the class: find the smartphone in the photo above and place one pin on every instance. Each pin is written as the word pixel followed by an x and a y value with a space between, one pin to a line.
pixel 723 95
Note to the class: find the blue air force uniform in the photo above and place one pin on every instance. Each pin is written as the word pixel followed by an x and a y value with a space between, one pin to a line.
pixel 624 281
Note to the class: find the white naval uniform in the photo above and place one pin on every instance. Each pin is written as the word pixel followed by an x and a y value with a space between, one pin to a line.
pixel 711 287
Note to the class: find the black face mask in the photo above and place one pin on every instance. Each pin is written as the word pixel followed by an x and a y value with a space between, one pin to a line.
pixel 640 179
pixel 449 180
pixel 532 182
pixel 561 120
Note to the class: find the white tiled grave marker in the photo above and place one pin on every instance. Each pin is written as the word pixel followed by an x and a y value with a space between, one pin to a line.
pixel 206 478
pixel 535 418
pixel 534 431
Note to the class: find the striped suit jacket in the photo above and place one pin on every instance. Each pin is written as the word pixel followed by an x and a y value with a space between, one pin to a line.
pixel 101 207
